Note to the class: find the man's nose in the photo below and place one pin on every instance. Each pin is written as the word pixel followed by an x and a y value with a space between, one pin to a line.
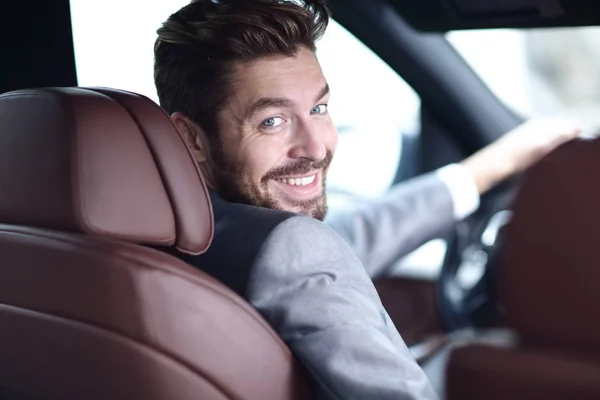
pixel 309 142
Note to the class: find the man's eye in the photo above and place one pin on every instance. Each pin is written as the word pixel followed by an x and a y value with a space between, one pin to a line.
pixel 320 109
pixel 272 122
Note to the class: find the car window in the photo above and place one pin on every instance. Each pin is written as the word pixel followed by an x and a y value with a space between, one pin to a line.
pixel 114 41
pixel 373 108
pixel 538 71
pixel 370 104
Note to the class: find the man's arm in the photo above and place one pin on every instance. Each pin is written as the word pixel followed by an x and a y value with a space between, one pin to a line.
pixel 409 215
pixel 313 290
pixel 424 208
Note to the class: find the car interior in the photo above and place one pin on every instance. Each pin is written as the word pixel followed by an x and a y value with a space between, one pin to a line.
pixel 94 178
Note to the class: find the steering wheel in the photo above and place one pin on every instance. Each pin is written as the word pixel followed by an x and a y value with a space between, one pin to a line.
pixel 466 290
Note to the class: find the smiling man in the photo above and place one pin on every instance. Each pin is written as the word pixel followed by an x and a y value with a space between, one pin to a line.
pixel 283 152
pixel 243 85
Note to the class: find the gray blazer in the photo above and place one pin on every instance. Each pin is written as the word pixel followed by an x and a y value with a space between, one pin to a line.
pixel 311 284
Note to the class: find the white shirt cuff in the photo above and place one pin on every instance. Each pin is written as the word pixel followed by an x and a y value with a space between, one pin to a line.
pixel 462 188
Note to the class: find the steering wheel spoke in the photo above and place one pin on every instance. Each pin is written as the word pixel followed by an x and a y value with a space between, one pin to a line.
pixel 466 289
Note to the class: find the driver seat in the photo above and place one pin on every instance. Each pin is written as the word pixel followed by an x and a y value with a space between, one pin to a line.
pixel 549 282
pixel 87 176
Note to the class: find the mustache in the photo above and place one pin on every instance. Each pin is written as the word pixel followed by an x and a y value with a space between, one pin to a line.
pixel 299 167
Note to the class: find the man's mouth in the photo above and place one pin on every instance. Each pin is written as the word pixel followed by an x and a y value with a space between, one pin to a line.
pixel 298 181
pixel 301 187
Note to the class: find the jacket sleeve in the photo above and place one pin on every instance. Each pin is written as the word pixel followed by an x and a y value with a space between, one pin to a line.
pixel 409 215
pixel 309 285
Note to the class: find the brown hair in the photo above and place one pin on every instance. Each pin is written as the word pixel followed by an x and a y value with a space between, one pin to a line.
pixel 198 46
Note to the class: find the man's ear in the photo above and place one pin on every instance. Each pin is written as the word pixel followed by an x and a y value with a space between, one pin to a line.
pixel 194 136
pixel 196 139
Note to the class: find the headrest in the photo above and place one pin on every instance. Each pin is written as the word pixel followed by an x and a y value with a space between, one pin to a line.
pixel 549 271
pixel 101 162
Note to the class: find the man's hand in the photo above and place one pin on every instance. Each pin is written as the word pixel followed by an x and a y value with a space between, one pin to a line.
pixel 519 149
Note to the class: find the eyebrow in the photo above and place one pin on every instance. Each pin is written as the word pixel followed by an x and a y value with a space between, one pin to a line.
pixel 322 93
pixel 279 102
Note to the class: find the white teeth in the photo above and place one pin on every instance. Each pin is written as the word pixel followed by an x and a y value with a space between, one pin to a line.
pixel 298 181
pixel 308 180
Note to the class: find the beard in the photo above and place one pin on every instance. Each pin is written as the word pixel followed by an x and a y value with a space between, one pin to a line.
pixel 235 186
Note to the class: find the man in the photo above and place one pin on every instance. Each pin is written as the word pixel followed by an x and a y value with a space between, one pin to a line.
pixel 243 86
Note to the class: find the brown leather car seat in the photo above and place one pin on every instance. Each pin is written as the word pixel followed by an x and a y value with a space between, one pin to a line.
pixel 87 176
pixel 549 280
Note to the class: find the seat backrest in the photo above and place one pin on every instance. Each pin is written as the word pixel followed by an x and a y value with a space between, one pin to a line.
pixel 549 281
pixel 88 176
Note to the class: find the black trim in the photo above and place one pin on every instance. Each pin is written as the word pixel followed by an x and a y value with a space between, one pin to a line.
pixel 446 15
pixel 37 46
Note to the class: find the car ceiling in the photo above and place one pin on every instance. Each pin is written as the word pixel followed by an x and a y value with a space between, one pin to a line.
pixel 445 15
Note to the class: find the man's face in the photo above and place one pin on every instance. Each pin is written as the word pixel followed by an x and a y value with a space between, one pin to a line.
pixel 276 136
